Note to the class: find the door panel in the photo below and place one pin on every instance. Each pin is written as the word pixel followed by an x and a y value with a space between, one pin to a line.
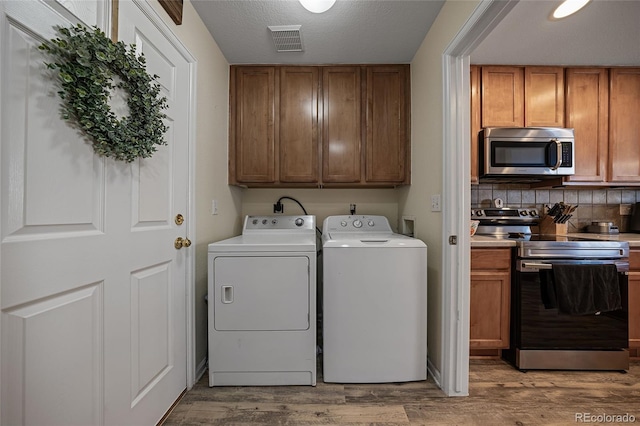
pixel 93 292
pixel 54 344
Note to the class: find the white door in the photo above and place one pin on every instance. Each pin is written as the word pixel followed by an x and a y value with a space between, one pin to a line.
pixel 92 290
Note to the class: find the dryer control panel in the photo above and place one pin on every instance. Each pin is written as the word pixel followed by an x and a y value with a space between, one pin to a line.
pixel 279 223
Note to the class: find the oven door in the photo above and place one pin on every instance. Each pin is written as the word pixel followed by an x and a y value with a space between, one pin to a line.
pixel 536 325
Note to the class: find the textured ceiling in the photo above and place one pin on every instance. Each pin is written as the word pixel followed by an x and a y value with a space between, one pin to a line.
pixel 352 31
pixel 605 32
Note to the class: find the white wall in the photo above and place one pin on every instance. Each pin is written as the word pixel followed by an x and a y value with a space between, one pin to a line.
pixel 427 157
pixel 212 116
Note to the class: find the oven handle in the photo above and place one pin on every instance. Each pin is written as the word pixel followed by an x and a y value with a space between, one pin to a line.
pixel 528 265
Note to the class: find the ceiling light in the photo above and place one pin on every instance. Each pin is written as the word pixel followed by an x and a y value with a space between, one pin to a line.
pixel 569 7
pixel 317 6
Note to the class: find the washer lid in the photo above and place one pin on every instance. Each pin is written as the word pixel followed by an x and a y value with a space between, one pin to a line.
pixel 370 240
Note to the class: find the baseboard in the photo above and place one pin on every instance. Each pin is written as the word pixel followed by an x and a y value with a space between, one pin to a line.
pixel 201 369
pixel 434 372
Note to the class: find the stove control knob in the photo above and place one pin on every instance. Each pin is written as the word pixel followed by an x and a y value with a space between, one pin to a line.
pixel 357 223
pixel 523 212
pixel 370 223
pixel 533 213
pixel 299 221
pixel 343 223
pixel 478 212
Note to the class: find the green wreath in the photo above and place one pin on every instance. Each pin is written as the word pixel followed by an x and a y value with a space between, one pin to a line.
pixel 86 61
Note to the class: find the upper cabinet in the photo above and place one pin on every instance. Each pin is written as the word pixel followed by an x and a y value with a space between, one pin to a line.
pixel 502 97
pixel 298 126
pixel 624 125
pixel 587 111
pixel 600 104
pixel 522 96
pixel 387 124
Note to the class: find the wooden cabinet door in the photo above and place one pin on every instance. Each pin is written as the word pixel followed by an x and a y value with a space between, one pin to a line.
pixel 341 124
pixel 475 121
pixel 298 124
pixel 624 125
pixel 634 299
pixel 490 298
pixel 387 124
pixel 587 112
pixel 489 328
pixel 544 96
pixel 634 309
pixel 252 150
pixel 502 96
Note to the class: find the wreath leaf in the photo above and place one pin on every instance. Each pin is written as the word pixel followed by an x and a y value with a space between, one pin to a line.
pixel 86 61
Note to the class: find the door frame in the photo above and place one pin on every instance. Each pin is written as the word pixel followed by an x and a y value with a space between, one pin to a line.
pixel 162 26
pixel 457 182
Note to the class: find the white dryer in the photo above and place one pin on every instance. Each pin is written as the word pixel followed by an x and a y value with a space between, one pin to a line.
pixel 262 304
pixel 374 302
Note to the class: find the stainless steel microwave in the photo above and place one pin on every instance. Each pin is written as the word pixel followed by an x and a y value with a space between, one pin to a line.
pixel 526 151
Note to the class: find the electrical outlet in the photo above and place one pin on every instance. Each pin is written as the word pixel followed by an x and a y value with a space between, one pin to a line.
pixel 214 207
pixel 625 209
pixel 435 203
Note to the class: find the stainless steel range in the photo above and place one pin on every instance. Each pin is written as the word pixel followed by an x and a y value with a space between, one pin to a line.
pixel 569 296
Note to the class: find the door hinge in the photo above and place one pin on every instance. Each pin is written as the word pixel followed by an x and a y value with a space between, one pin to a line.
pixel 453 240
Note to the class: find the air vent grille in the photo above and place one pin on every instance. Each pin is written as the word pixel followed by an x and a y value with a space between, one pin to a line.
pixel 287 38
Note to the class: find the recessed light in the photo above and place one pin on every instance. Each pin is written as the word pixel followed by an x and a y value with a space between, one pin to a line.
pixel 569 7
pixel 317 6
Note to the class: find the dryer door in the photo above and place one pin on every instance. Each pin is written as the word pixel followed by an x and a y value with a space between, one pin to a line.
pixel 261 293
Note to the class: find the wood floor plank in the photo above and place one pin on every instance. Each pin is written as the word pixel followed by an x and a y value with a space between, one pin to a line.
pixel 203 412
pixel 498 395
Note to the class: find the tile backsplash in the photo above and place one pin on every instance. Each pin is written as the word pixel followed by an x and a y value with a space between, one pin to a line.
pixel 593 204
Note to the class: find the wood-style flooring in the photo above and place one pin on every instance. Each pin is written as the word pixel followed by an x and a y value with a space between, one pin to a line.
pixel 498 395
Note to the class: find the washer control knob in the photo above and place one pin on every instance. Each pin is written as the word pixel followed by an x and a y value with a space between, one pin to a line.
pixel 370 223
pixel 274 221
pixel 299 221
pixel 357 223
pixel 255 221
pixel 343 223
pixel 264 221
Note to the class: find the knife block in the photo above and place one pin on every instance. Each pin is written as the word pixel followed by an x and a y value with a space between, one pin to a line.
pixel 548 226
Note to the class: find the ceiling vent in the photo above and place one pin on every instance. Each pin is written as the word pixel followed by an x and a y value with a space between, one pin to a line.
pixel 287 38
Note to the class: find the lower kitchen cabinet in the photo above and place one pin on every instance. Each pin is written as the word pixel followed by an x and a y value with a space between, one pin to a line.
pixel 634 299
pixel 490 298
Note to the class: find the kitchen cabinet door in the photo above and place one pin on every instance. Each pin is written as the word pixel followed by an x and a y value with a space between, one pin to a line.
pixel 624 125
pixel 252 125
pixel 634 299
pixel 587 112
pixel 342 125
pixel 387 124
pixel 298 124
pixel 502 96
pixel 544 96
pixel 475 121
pixel 490 298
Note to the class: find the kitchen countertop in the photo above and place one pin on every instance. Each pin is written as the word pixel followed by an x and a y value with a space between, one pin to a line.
pixel 493 241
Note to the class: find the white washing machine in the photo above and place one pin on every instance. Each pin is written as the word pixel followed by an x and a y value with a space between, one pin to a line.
pixel 262 304
pixel 374 302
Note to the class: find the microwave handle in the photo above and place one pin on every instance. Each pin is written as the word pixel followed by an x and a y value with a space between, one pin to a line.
pixel 558 154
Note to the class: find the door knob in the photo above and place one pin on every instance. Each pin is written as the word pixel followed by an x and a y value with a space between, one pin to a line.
pixel 181 242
